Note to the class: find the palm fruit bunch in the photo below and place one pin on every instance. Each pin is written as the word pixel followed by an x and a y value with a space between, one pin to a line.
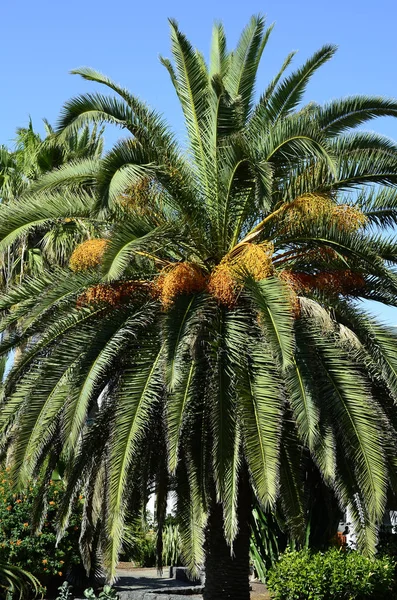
pixel 250 259
pixel 135 198
pixel 342 282
pixel 178 279
pixel 348 218
pixel 292 284
pixel 310 207
pixel 88 255
pixel 112 294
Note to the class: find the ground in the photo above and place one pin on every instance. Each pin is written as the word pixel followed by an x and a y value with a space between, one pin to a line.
pixel 137 579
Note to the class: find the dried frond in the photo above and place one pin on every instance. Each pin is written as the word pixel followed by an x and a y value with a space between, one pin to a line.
pixel 88 255
pixel 113 294
pixel 312 309
pixel 181 278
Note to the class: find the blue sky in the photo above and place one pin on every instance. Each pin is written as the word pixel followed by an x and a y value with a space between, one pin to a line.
pixel 43 40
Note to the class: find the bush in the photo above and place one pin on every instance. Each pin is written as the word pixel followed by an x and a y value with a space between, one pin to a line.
pixel 140 542
pixel 108 593
pixel 36 553
pixel 335 574
pixel 172 544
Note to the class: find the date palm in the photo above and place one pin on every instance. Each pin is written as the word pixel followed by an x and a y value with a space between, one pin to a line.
pixel 20 168
pixel 213 340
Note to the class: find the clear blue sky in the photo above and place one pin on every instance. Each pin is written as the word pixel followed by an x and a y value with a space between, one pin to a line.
pixel 43 40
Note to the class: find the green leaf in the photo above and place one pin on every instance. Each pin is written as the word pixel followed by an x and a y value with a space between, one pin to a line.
pixel 272 300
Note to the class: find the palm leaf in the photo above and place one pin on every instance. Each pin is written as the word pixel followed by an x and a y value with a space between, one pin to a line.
pixel 289 92
pixel 140 390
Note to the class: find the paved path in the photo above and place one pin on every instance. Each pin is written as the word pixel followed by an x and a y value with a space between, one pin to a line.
pixel 142 584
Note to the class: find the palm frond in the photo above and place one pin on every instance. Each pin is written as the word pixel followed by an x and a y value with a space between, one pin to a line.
pixel 273 302
pixel 289 92
pixel 261 408
pixel 244 62
pixel 139 391
pixel 22 216
pixel 356 417
pixel 337 116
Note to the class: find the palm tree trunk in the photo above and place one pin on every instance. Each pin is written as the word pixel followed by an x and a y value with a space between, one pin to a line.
pixel 227 575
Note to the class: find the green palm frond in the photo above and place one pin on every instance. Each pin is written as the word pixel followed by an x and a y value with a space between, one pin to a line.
pixel 219 60
pixel 114 337
pixel 289 92
pixel 191 87
pixel 261 408
pixel 127 164
pixel 74 174
pixel 150 125
pixel 244 62
pixel 292 494
pixel 347 397
pixel 272 300
pixel 191 517
pixel 16 581
pixel 223 409
pixel 140 388
pixel 19 218
pixel 337 116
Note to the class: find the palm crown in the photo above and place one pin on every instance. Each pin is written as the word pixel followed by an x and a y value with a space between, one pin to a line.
pixel 212 333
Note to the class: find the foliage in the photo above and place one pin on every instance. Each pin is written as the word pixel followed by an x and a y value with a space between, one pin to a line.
pixel 172 545
pixel 65 592
pixel 17 583
pixel 139 544
pixel 20 169
pixel 37 552
pixel 108 593
pixel 267 542
pixel 304 575
pixel 140 539
pixel 387 543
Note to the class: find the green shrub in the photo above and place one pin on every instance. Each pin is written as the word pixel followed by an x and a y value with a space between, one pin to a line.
pixel 139 544
pixel 108 593
pixel 172 544
pixel 36 553
pixel 335 574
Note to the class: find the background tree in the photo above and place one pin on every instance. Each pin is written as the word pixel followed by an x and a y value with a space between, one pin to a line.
pixel 20 168
pixel 212 339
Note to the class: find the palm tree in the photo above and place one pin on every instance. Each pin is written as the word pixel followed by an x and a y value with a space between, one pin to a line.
pixel 212 340
pixel 20 168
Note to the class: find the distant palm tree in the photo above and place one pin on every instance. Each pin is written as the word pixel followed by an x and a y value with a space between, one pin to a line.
pixel 212 340
pixel 19 169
